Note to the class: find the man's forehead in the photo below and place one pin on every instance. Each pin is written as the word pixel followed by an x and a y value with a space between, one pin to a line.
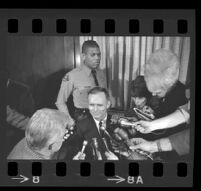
pixel 97 96
pixel 92 50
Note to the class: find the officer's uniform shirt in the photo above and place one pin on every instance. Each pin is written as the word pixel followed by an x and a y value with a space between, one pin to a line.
pixel 78 82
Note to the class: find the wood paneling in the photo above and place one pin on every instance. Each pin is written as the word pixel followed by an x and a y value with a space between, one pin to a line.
pixel 38 61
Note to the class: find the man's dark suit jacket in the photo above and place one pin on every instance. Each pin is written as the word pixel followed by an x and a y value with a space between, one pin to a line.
pixel 86 129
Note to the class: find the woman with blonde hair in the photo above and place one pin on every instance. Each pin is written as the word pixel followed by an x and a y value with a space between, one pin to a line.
pixel 161 77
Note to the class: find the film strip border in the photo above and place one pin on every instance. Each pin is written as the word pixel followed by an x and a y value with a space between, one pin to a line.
pixel 95 173
pixel 99 22
pixel 61 26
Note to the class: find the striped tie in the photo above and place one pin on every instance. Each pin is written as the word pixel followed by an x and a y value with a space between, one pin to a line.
pixel 93 72
pixel 100 128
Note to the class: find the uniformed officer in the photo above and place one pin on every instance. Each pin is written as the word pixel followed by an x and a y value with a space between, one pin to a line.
pixel 80 80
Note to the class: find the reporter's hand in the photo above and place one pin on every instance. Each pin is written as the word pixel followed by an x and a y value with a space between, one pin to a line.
pixel 136 156
pixel 144 126
pixel 111 156
pixel 137 141
pixel 79 156
pixel 144 145
pixel 124 153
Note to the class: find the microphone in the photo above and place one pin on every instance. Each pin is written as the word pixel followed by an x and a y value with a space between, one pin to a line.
pixel 105 131
pixel 124 136
pixel 126 123
pixel 149 155
pixel 97 154
pixel 141 114
pixel 84 146
pixel 106 145
pixel 117 137
pixel 129 125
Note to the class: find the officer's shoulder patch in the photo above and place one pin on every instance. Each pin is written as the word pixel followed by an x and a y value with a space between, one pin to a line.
pixel 66 78
pixel 76 70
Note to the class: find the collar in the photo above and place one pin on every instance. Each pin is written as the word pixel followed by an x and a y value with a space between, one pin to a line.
pixel 87 70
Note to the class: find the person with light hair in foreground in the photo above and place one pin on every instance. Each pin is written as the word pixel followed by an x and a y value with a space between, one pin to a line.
pixel 44 135
pixel 161 77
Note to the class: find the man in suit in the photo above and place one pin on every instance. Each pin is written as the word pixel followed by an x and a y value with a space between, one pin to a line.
pixel 97 125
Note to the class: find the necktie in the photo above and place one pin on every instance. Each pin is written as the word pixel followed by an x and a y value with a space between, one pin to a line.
pixel 93 72
pixel 103 134
pixel 100 129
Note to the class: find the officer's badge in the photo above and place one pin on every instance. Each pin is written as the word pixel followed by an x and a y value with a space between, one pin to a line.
pixel 65 78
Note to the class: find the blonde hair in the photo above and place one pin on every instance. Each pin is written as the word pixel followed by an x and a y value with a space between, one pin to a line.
pixel 162 69
pixel 43 126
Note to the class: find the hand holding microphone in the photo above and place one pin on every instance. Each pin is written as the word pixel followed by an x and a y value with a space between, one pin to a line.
pixel 131 126
pixel 142 147
pixel 111 156
pixel 81 155
pixel 84 146
pixel 126 123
